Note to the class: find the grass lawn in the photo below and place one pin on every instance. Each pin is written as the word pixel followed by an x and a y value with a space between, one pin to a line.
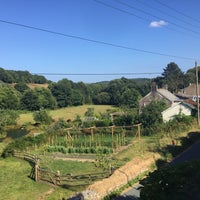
pixel 66 113
pixel 16 185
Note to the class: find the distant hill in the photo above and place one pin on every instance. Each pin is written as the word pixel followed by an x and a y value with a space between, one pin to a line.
pixel 12 76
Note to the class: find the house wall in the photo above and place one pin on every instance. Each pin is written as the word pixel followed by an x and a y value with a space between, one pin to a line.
pixel 153 96
pixel 175 110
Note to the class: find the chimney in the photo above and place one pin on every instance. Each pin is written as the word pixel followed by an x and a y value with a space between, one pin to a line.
pixel 154 87
pixel 165 87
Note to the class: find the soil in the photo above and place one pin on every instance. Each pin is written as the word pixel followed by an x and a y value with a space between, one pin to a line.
pixel 45 194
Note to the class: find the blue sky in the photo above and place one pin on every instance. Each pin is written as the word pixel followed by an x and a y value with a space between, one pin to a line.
pixel 170 27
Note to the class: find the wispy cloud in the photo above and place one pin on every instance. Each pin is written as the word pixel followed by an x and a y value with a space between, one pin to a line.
pixel 156 24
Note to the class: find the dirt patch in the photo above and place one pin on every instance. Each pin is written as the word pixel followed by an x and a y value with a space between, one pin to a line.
pixel 76 159
pixel 45 194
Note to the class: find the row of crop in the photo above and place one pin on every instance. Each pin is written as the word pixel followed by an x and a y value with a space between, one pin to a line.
pixel 92 140
pixel 85 150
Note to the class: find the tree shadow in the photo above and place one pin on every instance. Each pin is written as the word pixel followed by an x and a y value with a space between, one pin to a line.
pixel 74 187
pixel 169 152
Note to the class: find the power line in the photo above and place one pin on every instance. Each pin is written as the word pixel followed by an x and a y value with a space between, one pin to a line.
pixel 94 41
pixel 165 13
pixel 140 10
pixel 97 74
pixel 177 11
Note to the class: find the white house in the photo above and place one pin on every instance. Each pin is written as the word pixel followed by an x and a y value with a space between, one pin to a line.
pixel 175 109
pixel 174 104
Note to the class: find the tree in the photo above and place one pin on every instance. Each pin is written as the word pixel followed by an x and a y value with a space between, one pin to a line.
pixel 190 76
pixel 173 77
pixel 130 98
pixel 151 114
pixel 5 76
pixel 7 117
pixel 9 98
pixel 35 99
pixel 45 98
pixel 83 89
pixel 39 79
pixel 124 120
pixel 42 116
pixel 29 100
pixel 102 98
pixel 12 76
pixel 77 98
pixel 21 87
pixel 62 91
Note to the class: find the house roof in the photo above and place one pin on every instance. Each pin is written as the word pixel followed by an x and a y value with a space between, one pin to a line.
pixel 186 104
pixel 171 107
pixel 167 94
pixel 189 91
pixel 190 102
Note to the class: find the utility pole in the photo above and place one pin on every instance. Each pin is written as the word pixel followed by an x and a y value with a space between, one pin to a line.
pixel 197 91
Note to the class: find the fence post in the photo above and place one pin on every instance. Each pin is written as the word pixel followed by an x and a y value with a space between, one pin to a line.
pixel 36 168
pixel 92 133
pixel 111 170
pixel 58 177
pixel 139 131
pixel 36 172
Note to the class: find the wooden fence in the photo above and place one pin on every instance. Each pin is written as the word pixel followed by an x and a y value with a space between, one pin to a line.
pixel 39 173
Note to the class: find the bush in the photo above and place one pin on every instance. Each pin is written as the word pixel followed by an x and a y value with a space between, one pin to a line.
pixel 42 117
pixel 102 123
pixel 23 143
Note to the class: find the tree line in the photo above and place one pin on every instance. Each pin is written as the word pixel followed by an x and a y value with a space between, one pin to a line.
pixel 65 93
pixel 121 92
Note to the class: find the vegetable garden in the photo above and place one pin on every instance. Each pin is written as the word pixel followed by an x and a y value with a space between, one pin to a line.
pixel 93 140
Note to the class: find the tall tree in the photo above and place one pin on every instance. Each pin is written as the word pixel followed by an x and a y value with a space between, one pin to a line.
pixel 62 91
pixel 173 77
pixel 130 97
pixel 35 99
pixel 9 98
pixel 21 87
pixel 190 76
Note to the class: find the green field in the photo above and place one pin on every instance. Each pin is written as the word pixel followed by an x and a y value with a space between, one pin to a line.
pixel 16 184
pixel 66 113
pixel 14 173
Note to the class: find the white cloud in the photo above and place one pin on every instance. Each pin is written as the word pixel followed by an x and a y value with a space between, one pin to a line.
pixel 156 24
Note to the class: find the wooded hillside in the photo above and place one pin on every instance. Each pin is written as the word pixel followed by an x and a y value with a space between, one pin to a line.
pixel 121 92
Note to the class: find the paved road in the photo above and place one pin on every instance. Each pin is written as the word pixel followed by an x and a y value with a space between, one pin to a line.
pixel 190 154
pixel 132 194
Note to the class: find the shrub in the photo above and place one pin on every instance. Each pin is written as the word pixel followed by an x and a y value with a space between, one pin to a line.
pixel 23 143
pixel 42 117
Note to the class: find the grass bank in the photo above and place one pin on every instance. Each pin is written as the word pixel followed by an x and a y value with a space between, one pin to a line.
pixel 66 113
